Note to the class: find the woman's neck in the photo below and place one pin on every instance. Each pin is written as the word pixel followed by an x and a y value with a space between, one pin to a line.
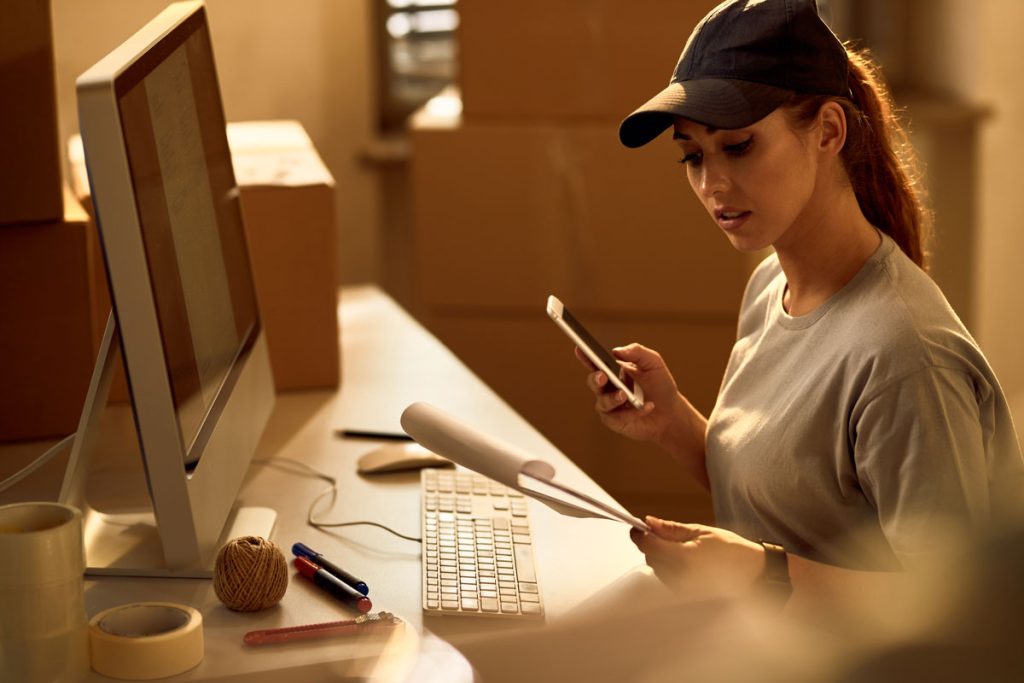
pixel 824 248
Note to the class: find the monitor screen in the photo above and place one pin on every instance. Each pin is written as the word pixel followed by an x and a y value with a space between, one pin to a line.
pixel 191 226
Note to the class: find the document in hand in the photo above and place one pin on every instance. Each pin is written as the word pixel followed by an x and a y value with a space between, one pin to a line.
pixel 441 433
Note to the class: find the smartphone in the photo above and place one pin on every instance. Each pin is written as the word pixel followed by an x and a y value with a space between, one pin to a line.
pixel 602 359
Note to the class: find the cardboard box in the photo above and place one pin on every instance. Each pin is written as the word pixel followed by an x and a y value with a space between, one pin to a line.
pixel 30 177
pixel 288 202
pixel 529 362
pixel 47 337
pixel 537 59
pixel 505 214
pixel 287 197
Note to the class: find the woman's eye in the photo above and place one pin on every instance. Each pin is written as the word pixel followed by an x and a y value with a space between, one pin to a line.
pixel 692 159
pixel 740 147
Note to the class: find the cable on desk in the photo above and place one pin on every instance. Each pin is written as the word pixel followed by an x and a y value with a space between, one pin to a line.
pixel 35 464
pixel 301 468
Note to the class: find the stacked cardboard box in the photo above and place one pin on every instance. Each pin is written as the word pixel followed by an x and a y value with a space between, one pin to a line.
pixel 46 335
pixel 47 338
pixel 30 179
pixel 528 193
pixel 287 197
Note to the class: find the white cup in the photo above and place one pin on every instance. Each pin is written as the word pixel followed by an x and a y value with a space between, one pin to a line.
pixel 43 628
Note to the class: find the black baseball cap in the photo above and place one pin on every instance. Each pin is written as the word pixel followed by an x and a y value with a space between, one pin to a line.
pixel 743 60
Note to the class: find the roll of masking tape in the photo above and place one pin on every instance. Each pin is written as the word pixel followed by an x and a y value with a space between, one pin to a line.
pixel 146 640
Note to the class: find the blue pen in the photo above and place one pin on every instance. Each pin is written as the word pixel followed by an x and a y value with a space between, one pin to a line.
pixel 303 550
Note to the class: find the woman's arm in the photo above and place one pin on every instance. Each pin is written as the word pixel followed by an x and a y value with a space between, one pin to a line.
pixel 702 561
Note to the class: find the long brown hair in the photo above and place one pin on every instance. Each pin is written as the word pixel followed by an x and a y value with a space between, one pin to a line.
pixel 877 156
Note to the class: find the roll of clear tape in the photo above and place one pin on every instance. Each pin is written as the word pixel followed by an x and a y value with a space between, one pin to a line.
pixel 42 608
pixel 146 640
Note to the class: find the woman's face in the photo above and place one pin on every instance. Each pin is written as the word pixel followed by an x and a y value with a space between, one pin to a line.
pixel 756 182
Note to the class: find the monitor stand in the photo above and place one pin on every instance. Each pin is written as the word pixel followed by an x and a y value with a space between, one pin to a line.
pixel 123 539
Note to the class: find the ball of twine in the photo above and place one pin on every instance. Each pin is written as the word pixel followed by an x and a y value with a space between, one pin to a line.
pixel 251 574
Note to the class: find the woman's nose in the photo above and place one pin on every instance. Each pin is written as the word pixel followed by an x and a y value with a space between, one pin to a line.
pixel 713 178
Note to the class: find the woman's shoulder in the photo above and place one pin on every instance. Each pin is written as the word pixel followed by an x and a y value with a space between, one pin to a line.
pixel 902 318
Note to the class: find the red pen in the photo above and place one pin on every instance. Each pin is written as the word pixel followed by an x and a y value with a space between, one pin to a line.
pixel 333 585
pixel 361 624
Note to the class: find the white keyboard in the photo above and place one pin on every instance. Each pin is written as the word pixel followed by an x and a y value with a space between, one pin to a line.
pixel 477 548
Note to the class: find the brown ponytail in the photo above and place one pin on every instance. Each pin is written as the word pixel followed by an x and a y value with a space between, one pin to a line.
pixel 877 157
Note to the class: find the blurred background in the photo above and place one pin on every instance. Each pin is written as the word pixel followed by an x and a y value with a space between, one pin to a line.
pixel 476 170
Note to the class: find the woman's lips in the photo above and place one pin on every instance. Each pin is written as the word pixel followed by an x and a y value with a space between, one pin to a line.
pixel 731 220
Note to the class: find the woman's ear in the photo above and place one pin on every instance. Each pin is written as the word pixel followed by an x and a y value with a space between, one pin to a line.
pixel 832 128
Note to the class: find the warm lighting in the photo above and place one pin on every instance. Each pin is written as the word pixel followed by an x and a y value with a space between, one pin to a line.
pixel 444 105
pixel 408 4
pixel 402 24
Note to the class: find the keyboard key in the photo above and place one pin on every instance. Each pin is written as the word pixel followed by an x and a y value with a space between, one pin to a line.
pixel 509 607
pixel 488 604
pixel 531 608
pixel 524 561
pixel 470 605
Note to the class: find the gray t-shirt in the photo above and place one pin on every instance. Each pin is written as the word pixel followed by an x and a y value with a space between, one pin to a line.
pixel 865 432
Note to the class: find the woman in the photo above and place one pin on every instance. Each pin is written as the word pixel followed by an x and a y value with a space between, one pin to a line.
pixel 858 429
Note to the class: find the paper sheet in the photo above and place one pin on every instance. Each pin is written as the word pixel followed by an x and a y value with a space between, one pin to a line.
pixel 506 463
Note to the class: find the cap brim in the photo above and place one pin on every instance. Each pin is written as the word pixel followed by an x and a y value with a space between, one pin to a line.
pixel 719 103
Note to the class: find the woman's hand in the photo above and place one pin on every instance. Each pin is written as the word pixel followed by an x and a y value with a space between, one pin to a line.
pixel 698 560
pixel 667 418
pixel 661 397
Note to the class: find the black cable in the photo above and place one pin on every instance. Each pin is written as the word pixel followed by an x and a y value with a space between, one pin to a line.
pixel 319 525
pixel 332 491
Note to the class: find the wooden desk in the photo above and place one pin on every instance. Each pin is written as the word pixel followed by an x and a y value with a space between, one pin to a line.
pixel 388 361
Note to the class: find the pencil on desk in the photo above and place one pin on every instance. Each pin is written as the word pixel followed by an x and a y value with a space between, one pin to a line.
pixel 327 629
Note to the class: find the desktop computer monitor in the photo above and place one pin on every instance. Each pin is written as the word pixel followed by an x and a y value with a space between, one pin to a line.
pixel 184 310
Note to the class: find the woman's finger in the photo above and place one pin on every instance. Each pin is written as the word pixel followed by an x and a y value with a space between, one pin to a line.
pixel 597 382
pixel 611 401
pixel 673 531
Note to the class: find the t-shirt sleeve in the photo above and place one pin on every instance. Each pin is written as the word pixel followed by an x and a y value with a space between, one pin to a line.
pixel 920 456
